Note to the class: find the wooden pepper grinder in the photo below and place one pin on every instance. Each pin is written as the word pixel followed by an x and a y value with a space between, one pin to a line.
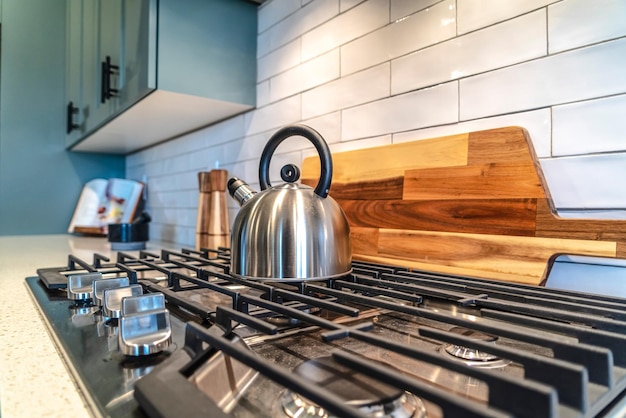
pixel 212 229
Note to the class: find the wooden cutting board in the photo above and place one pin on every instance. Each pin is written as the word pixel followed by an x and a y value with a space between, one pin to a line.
pixel 471 204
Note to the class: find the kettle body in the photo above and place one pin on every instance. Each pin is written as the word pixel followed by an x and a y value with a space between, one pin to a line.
pixel 289 232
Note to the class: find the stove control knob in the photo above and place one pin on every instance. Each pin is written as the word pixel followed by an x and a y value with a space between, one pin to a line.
pixel 80 286
pixel 112 300
pixel 143 303
pixel 145 333
pixel 99 286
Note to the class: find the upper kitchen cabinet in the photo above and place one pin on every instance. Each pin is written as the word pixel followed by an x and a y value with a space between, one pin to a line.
pixel 143 71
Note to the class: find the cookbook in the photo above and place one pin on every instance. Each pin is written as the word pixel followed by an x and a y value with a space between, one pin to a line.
pixel 106 201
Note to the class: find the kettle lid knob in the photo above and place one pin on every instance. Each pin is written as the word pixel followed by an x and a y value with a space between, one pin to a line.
pixel 290 173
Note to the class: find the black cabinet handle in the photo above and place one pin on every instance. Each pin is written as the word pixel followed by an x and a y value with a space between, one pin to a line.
pixel 104 82
pixel 111 69
pixel 108 69
pixel 71 111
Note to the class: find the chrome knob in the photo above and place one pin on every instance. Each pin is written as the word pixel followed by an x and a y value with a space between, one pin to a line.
pixel 99 286
pixel 112 304
pixel 80 286
pixel 145 333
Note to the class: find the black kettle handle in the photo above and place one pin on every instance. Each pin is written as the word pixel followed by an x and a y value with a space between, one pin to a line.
pixel 326 175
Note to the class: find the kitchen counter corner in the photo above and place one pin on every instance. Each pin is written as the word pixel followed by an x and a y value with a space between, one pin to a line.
pixel 34 378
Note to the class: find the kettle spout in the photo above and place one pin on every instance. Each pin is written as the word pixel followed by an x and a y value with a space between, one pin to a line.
pixel 240 190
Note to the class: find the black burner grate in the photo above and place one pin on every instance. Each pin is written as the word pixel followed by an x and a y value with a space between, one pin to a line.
pixel 571 346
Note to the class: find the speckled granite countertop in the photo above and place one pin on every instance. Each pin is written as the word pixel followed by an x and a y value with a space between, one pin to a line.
pixel 33 378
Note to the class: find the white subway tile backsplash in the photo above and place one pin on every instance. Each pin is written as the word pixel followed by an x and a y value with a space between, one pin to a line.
pixel 160 184
pixel 587 182
pixel 376 141
pixel 310 74
pixel 173 233
pixel 273 116
pixel 155 169
pixel 476 14
pixel 234 151
pixel 263 93
pixel 140 158
pixel 207 159
pixel 418 31
pixel 358 21
pixel 177 164
pixel 403 8
pixel 593 214
pixel 348 4
pixel 329 126
pixel 135 160
pixel 246 149
pixel 232 214
pixel 192 197
pixel 226 130
pixel 138 171
pixel 589 127
pixel 536 122
pixel 291 145
pixel 355 89
pixel 191 142
pixel 504 44
pixel 274 11
pixel 186 180
pixel 311 15
pixel 571 76
pixel 432 106
pixel 168 149
pixel 574 23
pixel 187 217
pixel 176 199
pixel 247 171
pixel 279 60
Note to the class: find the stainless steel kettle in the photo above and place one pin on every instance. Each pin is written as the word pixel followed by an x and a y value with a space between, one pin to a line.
pixel 289 232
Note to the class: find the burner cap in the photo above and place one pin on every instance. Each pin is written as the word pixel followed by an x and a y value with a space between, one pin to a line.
pixel 474 356
pixel 373 397
pixel 470 354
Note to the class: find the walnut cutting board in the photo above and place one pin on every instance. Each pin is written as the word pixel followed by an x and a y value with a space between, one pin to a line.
pixel 471 204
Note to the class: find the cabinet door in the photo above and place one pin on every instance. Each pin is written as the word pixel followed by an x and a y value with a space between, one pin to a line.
pixel 89 64
pixel 106 61
pixel 139 50
pixel 74 112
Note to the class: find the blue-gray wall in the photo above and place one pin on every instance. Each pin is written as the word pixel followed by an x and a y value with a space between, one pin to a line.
pixel 39 180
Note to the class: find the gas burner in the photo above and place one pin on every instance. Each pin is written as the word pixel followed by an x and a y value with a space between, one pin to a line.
pixel 373 398
pixel 473 356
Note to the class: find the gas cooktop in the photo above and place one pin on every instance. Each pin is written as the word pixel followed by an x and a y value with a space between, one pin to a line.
pixel 173 334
